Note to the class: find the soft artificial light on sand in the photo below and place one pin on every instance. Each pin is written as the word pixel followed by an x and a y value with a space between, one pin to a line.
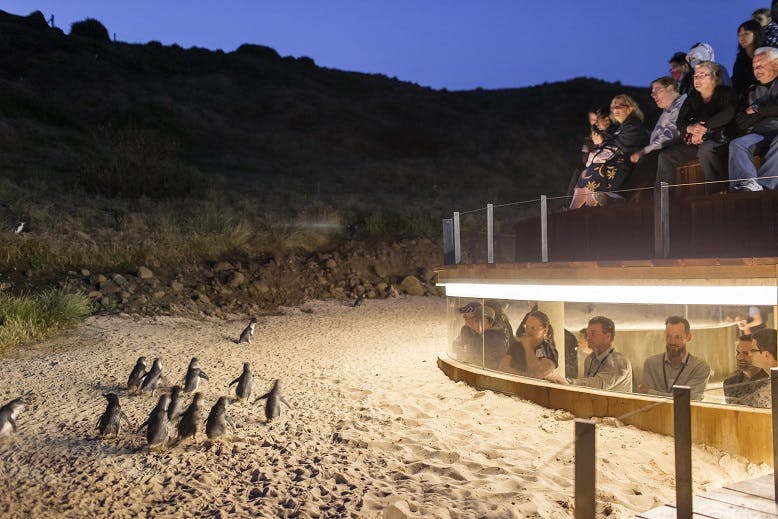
pixel 639 294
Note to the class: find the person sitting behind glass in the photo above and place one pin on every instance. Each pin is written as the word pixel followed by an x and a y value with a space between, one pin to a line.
pixel 749 378
pixel 604 368
pixel 479 341
pixel 766 341
pixel 534 353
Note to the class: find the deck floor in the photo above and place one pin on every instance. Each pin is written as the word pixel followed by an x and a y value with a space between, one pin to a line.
pixel 752 499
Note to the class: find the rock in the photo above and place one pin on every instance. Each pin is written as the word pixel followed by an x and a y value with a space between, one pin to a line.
pixel 98 280
pixel 262 287
pixel 145 273
pixel 119 280
pixel 412 286
pixel 85 273
pixel 237 279
pixel 223 266
pixel 397 510
pixel 381 269
pixel 177 287
pixel 331 264
pixel 94 294
pixel 427 274
pixel 159 294
pixel 381 287
pixel 109 287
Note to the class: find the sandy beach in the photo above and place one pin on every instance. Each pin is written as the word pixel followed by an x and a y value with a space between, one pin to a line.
pixel 376 430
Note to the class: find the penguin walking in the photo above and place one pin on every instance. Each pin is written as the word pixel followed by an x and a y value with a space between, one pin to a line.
pixel 19 227
pixel 136 375
pixel 273 403
pixel 193 376
pixel 156 432
pixel 244 381
pixel 8 415
pixel 152 378
pixel 176 407
pixel 192 418
pixel 359 300
pixel 109 423
pixel 216 424
pixel 248 332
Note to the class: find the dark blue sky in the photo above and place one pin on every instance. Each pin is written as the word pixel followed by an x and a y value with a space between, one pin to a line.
pixel 439 43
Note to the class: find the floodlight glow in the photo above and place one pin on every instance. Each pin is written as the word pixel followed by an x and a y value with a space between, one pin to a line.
pixel 646 294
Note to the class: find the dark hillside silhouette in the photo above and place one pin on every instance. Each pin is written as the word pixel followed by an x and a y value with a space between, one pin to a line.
pixel 130 120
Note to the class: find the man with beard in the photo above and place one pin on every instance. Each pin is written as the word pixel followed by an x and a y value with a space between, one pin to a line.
pixel 676 366
pixel 749 378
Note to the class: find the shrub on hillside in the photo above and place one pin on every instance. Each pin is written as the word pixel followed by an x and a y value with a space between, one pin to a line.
pixel 90 28
pixel 140 163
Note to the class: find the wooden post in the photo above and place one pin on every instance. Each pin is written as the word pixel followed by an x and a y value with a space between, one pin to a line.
pixel 585 505
pixel 543 229
pixel 457 243
pixel 661 221
pixel 774 390
pixel 682 425
pixel 490 233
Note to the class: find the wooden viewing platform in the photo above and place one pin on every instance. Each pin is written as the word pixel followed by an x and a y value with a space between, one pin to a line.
pixel 752 499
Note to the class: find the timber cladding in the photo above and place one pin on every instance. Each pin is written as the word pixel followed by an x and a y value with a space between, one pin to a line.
pixel 740 431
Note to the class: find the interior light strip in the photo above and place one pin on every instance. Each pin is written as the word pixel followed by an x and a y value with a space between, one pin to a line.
pixel 645 294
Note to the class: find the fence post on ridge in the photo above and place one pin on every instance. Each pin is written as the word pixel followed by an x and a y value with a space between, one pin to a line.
pixel 457 244
pixel 490 233
pixel 543 229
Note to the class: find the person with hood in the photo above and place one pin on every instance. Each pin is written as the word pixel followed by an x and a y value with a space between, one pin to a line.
pixel 702 51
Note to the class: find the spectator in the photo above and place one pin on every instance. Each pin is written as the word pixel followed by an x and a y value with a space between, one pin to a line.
pixel 752 323
pixel 600 123
pixel 604 368
pixel 535 349
pixel 757 123
pixel 749 38
pixel 765 19
pixel 479 341
pixel 680 71
pixel 607 172
pixel 665 93
pixel 764 359
pixel 676 366
pixel 704 52
pixel 748 378
pixel 707 111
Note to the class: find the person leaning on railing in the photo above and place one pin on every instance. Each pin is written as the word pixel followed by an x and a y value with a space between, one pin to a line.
pixel 756 124
pixel 604 368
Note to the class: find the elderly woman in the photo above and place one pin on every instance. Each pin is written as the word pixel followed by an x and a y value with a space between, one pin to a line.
pixel 705 114
pixel 610 164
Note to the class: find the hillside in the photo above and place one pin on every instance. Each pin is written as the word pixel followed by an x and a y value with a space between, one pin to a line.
pixel 123 154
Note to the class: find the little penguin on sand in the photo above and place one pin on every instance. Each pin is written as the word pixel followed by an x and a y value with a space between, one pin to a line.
pixel 216 424
pixel 244 381
pixel 8 415
pixel 192 418
pixel 248 332
pixel 193 376
pixel 157 433
pixel 273 403
pixel 151 379
pixel 136 375
pixel 109 422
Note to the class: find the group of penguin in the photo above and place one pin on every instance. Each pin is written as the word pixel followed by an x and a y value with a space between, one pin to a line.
pixel 169 408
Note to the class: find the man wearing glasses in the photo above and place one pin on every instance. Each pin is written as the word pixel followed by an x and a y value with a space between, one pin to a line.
pixel 749 378
pixel 766 342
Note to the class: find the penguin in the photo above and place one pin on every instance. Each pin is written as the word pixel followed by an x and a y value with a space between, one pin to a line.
pixel 151 379
pixel 393 291
pixel 109 423
pixel 193 376
pixel 19 227
pixel 192 418
pixel 136 375
pixel 274 399
pixel 248 332
pixel 156 432
pixel 8 415
pixel 243 391
pixel 176 406
pixel 359 300
pixel 216 424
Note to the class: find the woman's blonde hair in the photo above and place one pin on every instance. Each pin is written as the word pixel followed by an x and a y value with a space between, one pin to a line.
pixel 631 105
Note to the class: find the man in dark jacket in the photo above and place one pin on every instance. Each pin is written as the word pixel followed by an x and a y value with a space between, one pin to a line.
pixel 757 123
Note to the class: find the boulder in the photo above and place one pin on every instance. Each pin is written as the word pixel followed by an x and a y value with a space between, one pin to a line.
pixel 145 273
pixel 412 286
pixel 223 266
pixel 236 280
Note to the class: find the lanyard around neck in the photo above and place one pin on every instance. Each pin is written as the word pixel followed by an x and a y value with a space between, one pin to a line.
pixel 664 372
pixel 598 365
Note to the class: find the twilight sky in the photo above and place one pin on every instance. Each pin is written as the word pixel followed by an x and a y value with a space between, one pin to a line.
pixel 454 44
